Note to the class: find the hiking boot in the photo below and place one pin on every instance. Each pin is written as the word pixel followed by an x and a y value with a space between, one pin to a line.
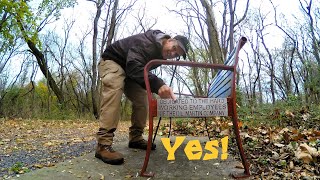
pixel 142 144
pixel 108 155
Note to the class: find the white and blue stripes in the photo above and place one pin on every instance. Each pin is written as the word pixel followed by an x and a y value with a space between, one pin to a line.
pixel 220 86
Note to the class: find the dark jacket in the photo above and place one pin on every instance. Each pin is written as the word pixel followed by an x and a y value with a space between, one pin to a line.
pixel 134 52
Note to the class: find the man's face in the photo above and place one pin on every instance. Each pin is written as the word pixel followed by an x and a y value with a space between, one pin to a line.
pixel 171 49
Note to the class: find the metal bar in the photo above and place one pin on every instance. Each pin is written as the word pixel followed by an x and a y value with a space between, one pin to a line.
pixel 235 119
pixel 187 63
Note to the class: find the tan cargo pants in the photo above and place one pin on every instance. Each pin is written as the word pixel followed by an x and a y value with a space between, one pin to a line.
pixel 114 84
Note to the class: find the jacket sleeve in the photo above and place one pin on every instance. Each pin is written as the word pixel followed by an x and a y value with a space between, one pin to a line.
pixel 136 60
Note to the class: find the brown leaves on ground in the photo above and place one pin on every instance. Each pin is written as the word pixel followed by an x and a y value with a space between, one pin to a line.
pixel 34 134
pixel 274 152
pixel 285 153
pixel 29 134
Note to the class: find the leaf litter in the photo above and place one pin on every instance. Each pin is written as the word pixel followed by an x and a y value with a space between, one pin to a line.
pixel 288 150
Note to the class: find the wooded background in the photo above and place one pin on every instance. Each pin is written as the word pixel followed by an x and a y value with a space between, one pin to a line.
pixel 70 84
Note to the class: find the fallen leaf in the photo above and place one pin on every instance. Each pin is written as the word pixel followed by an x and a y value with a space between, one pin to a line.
pixel 128 176
pixel 239 166
pixel 291 165
pixel 47 144
pixel 289 114
pixel 38 166
pixel 76 140
pixel 19 140
pixel 284 130
pixel 298 137
pixel 264 132
pixel 286 137
pixel 101 176
pixel 225 132
pixel 305 157
pixel 311 150
pixel 305 153
pixel 245 135
pixel 275 155
pixel 278 145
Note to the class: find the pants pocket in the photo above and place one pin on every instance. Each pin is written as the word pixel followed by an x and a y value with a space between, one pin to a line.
pixel 111 74
pixel 106 67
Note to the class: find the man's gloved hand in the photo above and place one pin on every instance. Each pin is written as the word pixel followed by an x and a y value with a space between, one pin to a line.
pixel 165 92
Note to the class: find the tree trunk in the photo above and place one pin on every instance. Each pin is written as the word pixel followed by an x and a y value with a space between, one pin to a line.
pixel 112 27
pixel 94 89
pixel 42 64
pixel 214 46
pixel 315 45
pixel 45 71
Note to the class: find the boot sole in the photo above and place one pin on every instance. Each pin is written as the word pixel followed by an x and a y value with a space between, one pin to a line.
pixel 133 146
pixel 110 161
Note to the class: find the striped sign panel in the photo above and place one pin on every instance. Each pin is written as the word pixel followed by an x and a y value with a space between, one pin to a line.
pixel 220 86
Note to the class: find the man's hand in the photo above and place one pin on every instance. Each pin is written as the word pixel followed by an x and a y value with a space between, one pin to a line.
pixel 165 92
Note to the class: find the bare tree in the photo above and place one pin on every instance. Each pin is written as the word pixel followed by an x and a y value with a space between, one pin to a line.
pixel 143 22
pixel 99 4
pixel 292 51
pixel 270 61
pixel 56 47
pixel 228 29
pixel 306 8
pixel 111 19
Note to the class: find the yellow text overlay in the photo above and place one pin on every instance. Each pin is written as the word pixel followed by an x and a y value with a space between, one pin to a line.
pixel 194 150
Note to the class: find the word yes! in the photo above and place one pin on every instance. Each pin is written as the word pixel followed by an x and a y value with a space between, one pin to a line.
pixel 193 149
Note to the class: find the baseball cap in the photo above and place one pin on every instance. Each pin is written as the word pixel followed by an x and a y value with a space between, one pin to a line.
pixel 183 42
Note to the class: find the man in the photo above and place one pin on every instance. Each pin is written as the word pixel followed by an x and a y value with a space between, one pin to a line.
pixel 121 71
